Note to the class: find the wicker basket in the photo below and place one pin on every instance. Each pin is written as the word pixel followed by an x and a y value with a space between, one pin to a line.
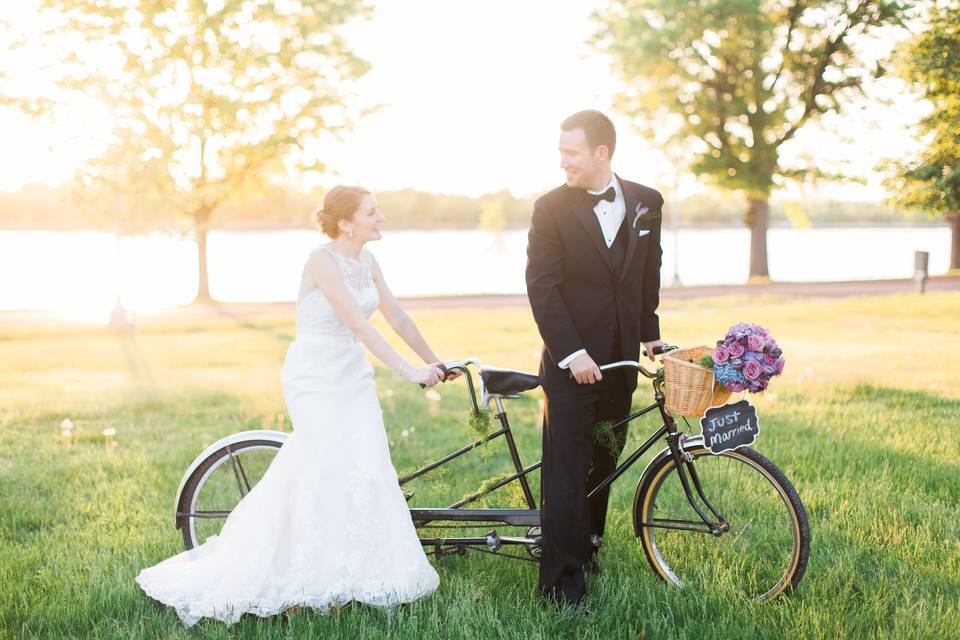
pixel 689 387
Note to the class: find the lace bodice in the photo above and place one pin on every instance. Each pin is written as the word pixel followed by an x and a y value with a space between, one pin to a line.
pixel 315 314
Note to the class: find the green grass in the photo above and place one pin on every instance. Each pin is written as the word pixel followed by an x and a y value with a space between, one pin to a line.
pixel 865 422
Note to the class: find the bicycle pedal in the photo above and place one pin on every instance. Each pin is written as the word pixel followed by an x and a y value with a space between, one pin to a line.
pixel 493 541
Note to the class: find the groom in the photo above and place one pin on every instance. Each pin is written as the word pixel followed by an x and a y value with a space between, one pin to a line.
pixel 593 279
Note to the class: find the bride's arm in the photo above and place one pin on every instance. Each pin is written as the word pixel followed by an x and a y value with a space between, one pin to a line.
pixel 399 320
pixel 323 270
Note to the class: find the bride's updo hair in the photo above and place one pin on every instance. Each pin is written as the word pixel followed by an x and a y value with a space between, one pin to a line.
pixel 340 203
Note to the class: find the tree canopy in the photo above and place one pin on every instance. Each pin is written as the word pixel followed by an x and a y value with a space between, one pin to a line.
pixel 209 99
pixel 735 80
pixel 931 181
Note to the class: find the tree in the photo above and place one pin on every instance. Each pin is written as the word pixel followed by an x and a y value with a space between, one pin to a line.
pixel 739 79
pixel 210 98
pixel 931 181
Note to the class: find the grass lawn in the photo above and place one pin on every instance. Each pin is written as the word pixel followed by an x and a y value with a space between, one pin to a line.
pixel 865 421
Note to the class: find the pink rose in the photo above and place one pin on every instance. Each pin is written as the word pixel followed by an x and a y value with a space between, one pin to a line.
pixel 735 349
pixel 721 355
pixel 769 359
pixel 752 370
pixel 755 343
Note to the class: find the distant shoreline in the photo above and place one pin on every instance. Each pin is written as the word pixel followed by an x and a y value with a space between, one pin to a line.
pixel 250 310
pixel 777 224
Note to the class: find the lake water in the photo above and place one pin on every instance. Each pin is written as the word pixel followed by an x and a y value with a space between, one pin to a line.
pixel 81 273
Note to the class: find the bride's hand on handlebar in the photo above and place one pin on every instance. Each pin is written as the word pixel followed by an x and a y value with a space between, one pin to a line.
pixel 449 374
pixel 426 376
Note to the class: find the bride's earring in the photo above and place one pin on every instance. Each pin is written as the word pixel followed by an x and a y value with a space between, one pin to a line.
pixel 350 233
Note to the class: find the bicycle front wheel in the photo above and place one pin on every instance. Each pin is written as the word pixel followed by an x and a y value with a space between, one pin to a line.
pixel 759 545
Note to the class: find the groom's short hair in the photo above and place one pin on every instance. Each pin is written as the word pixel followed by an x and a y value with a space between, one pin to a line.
pixel 596 126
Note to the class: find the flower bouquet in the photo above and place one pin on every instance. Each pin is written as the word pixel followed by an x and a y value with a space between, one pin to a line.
pixel 698 378
pixel 747 358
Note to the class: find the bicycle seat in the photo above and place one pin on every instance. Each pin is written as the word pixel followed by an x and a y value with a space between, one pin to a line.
pixel 507 381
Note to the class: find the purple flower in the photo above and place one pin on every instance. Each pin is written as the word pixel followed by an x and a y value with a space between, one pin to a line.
pixel 747 358
pixel 738 331
pixel 640 210
pixel 752 370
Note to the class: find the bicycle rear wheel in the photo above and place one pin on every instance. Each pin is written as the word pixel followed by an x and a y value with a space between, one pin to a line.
pixel 759 549
pixel 217 485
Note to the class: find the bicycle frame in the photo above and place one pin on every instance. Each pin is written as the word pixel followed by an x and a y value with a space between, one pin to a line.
pixel 531 515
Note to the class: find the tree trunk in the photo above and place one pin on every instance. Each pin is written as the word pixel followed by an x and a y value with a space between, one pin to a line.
pixel 203 285
pixel 954 218
pixel 758 217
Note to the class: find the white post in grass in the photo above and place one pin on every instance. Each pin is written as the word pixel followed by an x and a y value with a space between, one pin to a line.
pixel 921 264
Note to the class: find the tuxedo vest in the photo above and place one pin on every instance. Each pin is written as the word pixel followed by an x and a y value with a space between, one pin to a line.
pixel 618 250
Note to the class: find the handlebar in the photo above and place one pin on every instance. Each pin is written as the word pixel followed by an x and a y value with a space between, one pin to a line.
pixel 658 350
pixel 464 366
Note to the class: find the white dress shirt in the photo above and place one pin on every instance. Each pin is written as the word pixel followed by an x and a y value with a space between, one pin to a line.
pixel 610 215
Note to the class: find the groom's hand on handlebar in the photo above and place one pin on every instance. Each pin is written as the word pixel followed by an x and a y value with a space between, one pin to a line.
pixel 654 348
pixel 584 370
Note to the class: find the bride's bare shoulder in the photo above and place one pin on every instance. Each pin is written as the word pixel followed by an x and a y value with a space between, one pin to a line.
pixel 321 263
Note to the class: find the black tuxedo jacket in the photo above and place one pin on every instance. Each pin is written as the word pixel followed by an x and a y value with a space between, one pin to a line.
pixel 578 301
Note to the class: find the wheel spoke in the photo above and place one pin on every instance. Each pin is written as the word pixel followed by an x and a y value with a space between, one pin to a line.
pixel 236 473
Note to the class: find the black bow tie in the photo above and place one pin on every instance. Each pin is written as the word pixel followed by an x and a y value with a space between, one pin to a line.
pixel 609 195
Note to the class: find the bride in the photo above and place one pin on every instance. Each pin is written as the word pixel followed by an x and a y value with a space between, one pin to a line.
pixel 328 523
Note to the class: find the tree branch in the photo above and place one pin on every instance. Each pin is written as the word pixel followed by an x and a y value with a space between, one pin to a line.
pixel 793 14
pixel 817 83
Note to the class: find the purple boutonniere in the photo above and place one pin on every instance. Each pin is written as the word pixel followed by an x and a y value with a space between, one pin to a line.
pixel 640 210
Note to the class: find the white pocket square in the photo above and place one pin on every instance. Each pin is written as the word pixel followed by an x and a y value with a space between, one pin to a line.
pixel 642 232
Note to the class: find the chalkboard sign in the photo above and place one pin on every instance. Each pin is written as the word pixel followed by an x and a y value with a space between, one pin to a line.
pixel 730 426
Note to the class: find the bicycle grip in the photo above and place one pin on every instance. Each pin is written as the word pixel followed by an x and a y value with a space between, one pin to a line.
pixel 443 369
pixel 662 349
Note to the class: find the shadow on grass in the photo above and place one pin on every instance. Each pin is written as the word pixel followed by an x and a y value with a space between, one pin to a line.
pixel 253 326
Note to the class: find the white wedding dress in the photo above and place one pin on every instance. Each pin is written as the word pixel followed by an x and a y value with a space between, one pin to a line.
pixel 328 523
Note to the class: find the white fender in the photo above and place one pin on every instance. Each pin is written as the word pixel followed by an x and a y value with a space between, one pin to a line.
pixel 254 434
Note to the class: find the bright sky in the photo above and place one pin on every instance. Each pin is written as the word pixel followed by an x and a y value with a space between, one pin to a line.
pixel 472 94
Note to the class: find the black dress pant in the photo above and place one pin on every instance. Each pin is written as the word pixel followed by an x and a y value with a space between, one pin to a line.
pixel 575 461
